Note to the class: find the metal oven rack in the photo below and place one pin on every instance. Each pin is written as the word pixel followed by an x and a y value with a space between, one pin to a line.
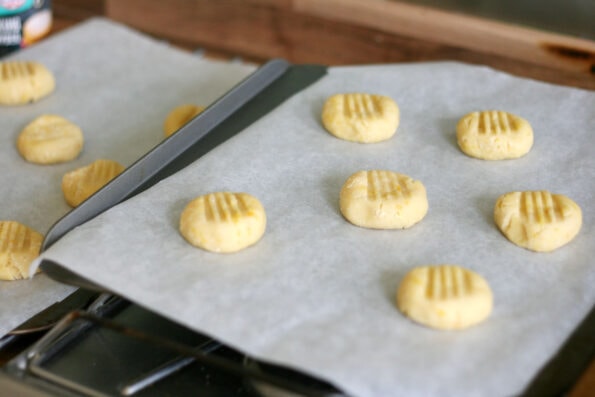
pixel 116 348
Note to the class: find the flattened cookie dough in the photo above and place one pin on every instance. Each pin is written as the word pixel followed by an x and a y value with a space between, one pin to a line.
pixel 444 297
pixel 538 220
pixel 381 199
pixel 494 135
pixel 361 118
pixel 80 184
pixel 19 246
pixel 223 221
pixel 180 116
pixel 50 139
pixel 22 82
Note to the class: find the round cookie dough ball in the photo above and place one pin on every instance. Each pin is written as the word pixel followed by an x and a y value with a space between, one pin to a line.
pixel 80 184
pixel 19 246
pixel 444 297
pixel 361 118
pixel 538 220
pixel 23 82
pixel 50 139
pixel 381 199
pixel 494 135
pixel 179 116
pixel 223 221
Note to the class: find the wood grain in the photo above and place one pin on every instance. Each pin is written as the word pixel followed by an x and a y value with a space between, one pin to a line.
pixel 338 32
pixel 477 34
pixel 77 10
pixel 586 384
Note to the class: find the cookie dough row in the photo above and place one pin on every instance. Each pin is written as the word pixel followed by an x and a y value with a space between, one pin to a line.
pixel 48 139
pixel 368 118
pixel 537 220
pixel 23 82
pixel 228 222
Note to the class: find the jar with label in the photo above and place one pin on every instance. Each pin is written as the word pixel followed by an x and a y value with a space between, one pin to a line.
pixel 23 22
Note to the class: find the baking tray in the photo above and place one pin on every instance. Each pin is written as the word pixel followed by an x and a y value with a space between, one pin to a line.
pixel 572 358
pixel 118 348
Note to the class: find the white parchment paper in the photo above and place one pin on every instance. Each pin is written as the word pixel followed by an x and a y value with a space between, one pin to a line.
pixel 118 86
pixel 317 293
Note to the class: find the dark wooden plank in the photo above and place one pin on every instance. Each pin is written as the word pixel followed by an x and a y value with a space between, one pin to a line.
pixel 265 29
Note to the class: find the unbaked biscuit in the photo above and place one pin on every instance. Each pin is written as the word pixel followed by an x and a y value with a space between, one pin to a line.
pixel 494 135
pixel 19 246
pixel 179 117
pixel 223 221
pixel 361 118
pixel 381 199
pixel 50 139
pixel 538 220
pixel 23 82
pixel 80 184
pixel 444 297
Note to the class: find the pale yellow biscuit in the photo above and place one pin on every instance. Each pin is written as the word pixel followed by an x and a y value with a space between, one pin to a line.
pixel 383 200
pixel 538 220
pixel 223 221
pixel 179 117
pixel 19 246
pixel 444 297
pixel 361 118
pixel 494 135
pixel 80 184
pixel 23 82
pixel 50 139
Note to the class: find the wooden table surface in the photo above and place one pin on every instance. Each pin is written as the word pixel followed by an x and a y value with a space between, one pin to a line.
pixel 338 32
